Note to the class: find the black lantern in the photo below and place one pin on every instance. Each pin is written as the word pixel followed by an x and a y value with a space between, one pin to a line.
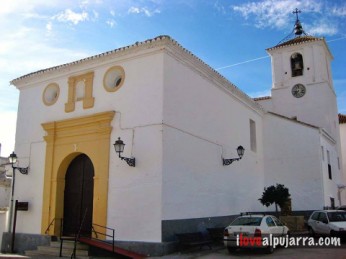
pixel 240 151
pixel 13 159
pixel 119 148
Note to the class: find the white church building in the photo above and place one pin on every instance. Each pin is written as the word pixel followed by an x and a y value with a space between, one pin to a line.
pixel 179 118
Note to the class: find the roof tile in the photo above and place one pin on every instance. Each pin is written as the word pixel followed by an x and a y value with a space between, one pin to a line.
pixel 297 40
pixel 342 118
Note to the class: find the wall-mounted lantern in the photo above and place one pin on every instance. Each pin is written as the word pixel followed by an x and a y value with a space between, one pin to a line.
pixel 119 148
pixel 240 151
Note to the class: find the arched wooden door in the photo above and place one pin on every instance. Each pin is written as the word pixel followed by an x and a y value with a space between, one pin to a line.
pixel 78 196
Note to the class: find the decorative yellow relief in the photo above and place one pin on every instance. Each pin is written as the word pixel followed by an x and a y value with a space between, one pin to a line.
pixel 87 83
pixel 65 140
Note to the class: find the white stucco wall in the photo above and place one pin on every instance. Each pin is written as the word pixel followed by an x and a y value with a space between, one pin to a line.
pixel 202 123
pixel 293 157
pixel 316 58
pixel 317 79
pixel 321 113
pixel 134 199
pixel 267 104
pixel 330 186
pixel 342 128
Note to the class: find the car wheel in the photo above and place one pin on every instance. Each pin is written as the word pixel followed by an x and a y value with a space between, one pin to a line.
pixel 269 249
pixel 311 232
pixel 231 249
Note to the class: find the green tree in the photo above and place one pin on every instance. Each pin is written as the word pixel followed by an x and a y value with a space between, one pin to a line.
pixel 278 194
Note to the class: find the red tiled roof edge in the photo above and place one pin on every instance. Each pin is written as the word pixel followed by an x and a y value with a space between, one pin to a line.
pixel 296 41
pixel 342 118
pixel 262 98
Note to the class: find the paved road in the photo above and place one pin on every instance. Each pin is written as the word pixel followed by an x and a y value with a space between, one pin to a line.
pixel 220 253
pixel 302 253
pixel 279 253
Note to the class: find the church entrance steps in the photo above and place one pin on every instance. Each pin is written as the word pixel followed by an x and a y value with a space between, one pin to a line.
pixel 82 250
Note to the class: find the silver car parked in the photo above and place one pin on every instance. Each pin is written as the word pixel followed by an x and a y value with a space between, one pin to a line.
pixel 328 222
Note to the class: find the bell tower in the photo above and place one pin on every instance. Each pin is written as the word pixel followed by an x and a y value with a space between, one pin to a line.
pixel 302 85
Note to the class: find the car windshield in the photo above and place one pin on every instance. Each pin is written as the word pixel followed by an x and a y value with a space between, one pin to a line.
pixel 247 221
pixel 337 216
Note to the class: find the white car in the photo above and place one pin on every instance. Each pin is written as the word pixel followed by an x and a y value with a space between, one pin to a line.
pixel 253 228
pixel 328 222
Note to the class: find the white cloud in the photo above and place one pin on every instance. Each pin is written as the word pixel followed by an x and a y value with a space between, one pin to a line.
pixel 144 10
pixel 272 13
pixel 134 10
pixel 339 11
pixel 70 16
pixel 318 17
pixel 49 26
pixel 323 29
pixel 25 48
pixel 111 23
pixel 8 7
pixel 219 7
pixel 29 8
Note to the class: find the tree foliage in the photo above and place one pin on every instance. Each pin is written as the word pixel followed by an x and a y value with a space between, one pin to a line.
pixel 279 195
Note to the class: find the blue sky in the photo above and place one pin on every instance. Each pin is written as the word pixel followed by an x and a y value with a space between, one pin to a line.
pixel 230 36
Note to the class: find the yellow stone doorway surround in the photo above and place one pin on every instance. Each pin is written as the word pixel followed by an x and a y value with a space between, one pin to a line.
pixel 65 140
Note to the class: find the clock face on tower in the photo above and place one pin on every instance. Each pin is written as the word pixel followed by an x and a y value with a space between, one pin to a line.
pixel 298 90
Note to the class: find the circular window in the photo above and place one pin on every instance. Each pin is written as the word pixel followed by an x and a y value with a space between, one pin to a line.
pixel 51 94
pixel 113 78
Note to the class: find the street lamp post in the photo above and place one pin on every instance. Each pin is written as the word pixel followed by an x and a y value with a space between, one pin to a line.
pixel 23 170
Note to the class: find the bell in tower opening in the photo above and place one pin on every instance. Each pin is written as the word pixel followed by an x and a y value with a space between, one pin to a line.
pixel 297 65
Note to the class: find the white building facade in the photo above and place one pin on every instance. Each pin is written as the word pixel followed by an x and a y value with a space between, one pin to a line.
pixel 303 91
pixel 178 117
pixel 342 161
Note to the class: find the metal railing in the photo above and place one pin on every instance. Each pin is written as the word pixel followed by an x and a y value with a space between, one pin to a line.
pixel 108 232
pixel 51 224
pixel 105 233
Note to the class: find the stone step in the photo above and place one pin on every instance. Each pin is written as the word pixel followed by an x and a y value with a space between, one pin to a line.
pixel 37 253
pixel 65 251
pixel 54 250
pixel 68 244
